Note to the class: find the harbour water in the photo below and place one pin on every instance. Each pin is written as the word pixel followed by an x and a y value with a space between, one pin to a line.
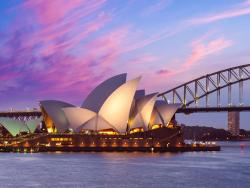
pixel 229 167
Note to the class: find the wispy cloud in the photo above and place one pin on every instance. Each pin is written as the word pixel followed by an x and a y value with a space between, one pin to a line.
pixel 166 32
pixel 156 6
pixel 201 48
pixel 49 12
pixel 235 11
pixel 52 55
pixel 139 64
pixel 143 59
pixel 60 48
pixel 164 72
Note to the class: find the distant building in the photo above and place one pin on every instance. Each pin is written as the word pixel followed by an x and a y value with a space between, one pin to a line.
pixel 234 123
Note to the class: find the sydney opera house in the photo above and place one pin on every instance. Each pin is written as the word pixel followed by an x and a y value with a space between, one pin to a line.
pixel 114 116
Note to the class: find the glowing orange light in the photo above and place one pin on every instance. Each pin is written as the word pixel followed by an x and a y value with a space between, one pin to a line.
pixel 136 130
pixel 156 126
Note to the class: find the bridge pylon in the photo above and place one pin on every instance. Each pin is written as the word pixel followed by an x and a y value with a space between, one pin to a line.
pixel 234 123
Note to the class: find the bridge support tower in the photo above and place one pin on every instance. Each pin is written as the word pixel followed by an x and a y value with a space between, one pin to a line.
pixel 234 122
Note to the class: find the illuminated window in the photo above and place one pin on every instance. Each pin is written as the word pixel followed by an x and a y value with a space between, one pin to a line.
pixel 61 139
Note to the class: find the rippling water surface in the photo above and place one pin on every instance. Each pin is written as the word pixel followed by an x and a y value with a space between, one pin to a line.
pixel 227 168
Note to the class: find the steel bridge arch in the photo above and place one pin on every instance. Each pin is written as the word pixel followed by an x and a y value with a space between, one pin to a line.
pixel 218 80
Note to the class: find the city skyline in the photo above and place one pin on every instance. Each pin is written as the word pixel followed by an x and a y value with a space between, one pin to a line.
pixel 62 49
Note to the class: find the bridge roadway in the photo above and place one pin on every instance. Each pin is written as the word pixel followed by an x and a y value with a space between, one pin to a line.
pixel 20 113
pixel 188 110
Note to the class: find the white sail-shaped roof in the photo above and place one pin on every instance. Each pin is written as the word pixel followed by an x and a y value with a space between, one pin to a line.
pixel 54 109
pixel 33 124
pixel 155 118
pixel 13 126
pixel 90 124
pixel 143 110
pixel 97 123
pixel 98 96
pixel 164 112
pixel 78 116
pixel 117 107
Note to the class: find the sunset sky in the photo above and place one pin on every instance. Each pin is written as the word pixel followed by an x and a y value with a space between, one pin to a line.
pixel 61 49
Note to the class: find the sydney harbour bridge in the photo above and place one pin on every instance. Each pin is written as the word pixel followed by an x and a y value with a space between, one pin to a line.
pixel 209 93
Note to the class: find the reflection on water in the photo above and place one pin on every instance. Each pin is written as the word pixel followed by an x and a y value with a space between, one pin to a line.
pixel 227 168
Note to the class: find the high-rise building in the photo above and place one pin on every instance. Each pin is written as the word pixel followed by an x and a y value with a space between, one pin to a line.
pixel 234 123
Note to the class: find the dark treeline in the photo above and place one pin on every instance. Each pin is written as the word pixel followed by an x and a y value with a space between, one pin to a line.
pixel 201 133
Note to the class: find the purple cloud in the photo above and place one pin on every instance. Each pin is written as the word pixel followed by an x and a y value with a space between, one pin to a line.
pixel 164 71
pixel 46 58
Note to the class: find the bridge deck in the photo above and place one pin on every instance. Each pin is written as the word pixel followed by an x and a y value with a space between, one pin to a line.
pixel 181 110
pixel 20 113
pixel 212 109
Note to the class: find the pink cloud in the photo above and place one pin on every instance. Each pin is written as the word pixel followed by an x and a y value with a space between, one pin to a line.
pixel 164 72
pixel 76 35
pixel 108 46
pixel 64 55
pixel 138 65
pixel 66 28
pixel 239 10
pixel 49 12
pixel 52 59
pixel 201 48
pixel 9 76
pixel 66 75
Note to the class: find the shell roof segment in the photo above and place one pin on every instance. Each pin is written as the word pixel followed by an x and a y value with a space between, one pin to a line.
pixel 99 95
